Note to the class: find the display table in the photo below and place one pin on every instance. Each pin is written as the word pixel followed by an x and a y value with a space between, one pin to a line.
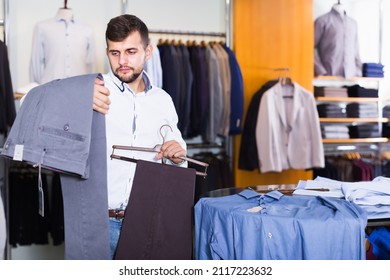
pixel 268 222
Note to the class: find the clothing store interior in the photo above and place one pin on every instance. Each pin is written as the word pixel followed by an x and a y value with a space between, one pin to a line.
pixel 284 108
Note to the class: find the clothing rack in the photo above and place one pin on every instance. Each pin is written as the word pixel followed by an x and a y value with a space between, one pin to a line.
pixel 228 25
pixel 4 20
pixel 189 33
pixel 193 144
pixel 204 145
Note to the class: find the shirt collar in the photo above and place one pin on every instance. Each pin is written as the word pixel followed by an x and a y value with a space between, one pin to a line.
pixel 335 12
pixel 248 194
pixel 59 18
pixel 122 86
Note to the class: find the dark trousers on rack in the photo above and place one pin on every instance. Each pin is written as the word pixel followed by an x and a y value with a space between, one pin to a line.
pixel 158 222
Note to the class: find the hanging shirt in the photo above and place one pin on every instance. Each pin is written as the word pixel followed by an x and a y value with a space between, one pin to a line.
pixel 61 49
pixel 135 120
pixel 153 66
pixel 336 45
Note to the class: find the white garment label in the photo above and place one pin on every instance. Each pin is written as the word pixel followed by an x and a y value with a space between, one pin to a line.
pixel 255 209
pixel 18 153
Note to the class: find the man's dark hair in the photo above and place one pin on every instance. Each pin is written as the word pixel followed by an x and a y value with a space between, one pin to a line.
pixel 118 28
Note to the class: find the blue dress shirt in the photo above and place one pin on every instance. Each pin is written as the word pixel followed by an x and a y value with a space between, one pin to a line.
pixel 274 226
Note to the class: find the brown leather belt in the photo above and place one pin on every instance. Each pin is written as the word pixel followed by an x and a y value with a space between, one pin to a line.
pixel 118 214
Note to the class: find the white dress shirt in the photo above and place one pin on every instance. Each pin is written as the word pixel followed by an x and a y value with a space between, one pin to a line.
pixel 135 120
pixel 61 48
pixel 153 67
pixel 336 45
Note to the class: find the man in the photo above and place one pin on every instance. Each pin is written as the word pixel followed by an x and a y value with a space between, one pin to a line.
pixel 137 113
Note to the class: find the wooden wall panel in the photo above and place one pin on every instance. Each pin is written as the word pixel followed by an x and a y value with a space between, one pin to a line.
pixel 268 34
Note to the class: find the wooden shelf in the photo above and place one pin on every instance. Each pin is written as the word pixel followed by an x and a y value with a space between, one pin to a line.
pixel 350 120
pixel 356 140
pixel 342 79
pixel 18 96
pixel 350 99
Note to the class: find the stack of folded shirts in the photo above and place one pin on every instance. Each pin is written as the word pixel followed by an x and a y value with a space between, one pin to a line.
pixel 386 111
pixel 373 69
pixel 334 131
pixel 359 91
pixel 330 92
pixel 362 110
pixel 364 131
pixel 330 110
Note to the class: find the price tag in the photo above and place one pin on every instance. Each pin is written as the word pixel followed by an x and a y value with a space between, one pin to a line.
pixel 18 153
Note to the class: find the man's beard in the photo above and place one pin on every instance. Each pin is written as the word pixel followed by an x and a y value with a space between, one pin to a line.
pixel 130 78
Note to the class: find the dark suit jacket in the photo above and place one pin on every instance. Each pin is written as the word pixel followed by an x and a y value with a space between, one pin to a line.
pixel 237 94
pixel 7 102
pixel 171 72
pixel 200 92
pixel 248 157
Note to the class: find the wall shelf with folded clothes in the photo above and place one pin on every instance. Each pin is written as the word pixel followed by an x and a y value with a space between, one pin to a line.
pixel 350 110
pixel 333 81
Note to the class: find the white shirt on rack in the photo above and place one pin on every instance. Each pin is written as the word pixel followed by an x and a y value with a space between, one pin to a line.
pixel 135 120
pixel 153 66
pixel 62 47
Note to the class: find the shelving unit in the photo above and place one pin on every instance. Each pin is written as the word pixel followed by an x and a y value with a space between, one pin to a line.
pixel 368 82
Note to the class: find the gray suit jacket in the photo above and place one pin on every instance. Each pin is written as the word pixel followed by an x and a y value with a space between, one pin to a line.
pixel 57 128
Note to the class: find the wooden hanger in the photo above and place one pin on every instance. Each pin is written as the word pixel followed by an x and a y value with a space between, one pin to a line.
pixel 160 42
pixel 190 43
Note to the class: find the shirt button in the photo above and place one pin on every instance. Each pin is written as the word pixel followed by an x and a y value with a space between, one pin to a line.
pixel 66 127
pixel 269 235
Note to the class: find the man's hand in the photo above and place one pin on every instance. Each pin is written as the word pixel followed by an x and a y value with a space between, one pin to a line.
pixel 171 150
pixel 101 101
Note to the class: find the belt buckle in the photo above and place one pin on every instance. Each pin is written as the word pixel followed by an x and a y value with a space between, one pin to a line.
pixel 117 213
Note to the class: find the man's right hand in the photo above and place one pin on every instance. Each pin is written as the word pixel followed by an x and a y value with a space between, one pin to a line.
pixel 101 101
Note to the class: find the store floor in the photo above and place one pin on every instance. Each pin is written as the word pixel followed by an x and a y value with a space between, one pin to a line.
pixel 37 252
